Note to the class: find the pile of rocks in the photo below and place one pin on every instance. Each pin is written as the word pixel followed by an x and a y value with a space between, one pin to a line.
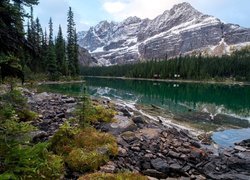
pixel 52 109
pixel 162 152
pixel 147 146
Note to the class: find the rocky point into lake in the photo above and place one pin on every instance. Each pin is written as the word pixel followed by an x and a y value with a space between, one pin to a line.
pixel 146 146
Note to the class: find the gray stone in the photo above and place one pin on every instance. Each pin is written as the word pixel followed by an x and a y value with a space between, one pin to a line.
pixel 173 154
pixel 61 115
pixel 175 167
pixel 129 136
pixel 70 100
pixel 108 168
pixel 154 173
pixel 41 97
pixel 122 151
pixel 38 136
pixel 138 120
pixel 160 165
pixel 195 144
pixel 240 148
pixel 125 112
pixel 135 148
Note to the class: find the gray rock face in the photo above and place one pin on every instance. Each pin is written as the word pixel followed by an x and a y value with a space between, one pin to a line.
pixel 85 58
pixel 181 30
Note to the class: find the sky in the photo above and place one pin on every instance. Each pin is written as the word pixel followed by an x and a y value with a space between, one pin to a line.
pixel 88 13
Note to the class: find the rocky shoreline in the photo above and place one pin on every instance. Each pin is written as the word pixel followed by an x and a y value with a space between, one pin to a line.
pixel 145 146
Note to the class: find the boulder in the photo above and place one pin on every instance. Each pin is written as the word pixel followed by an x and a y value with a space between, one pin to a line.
pixel 138 120
pixel 160 165
pixel 121 124
pixel 70 100
pixel 125 112
pixel 38 136
pixel 150 133
pixel 129 136
pixel 108 168
pixel 154 173
pixel 41 97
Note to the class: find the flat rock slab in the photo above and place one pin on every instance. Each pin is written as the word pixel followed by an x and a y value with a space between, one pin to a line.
pixel 149 133
pixel 40 97
pixel 122 124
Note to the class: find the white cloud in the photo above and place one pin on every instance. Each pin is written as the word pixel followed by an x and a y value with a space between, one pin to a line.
pixel 121 9
pixel 114 7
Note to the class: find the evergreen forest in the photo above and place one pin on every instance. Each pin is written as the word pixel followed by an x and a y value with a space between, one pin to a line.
pixel 32 49
pixel 235 66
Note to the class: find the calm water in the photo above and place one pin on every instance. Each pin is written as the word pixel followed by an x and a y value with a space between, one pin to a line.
pixel 210 106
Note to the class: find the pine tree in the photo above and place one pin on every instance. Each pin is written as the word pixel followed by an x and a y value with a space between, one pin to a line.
pixel 72 52
pixel 44 52
pixel 76 61
pixel 60 53
pixel 11 26
pixel 51 56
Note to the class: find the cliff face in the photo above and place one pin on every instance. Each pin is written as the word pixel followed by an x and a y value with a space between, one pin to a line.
pixel 181 30
pixel 85 58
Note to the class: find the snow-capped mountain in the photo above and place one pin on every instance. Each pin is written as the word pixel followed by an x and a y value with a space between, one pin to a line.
pixel 181 30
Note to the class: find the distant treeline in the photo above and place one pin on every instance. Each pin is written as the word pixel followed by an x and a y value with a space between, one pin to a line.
pixel 235 66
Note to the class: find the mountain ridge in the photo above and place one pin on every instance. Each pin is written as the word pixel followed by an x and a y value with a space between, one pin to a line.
pixel 179 31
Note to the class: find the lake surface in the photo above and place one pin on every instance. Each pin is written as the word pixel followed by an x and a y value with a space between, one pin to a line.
pixel 206 106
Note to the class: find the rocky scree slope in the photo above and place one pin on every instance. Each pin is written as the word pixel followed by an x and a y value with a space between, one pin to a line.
pixel 180 30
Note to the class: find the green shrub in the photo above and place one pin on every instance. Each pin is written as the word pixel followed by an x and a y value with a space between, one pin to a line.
pixel 6 111
pixel 15 103
pixel 88 113
pixel 15 98
pixel 19 159
pixel 90 139
pixel 83 161
pixel 101 114
pixel 26 115
pixel 118 176
pixel 31 162
pixel 62 142
pixel 83 149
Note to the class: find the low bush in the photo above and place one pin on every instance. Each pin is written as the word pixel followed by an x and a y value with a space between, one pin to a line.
pixel 90 139
pixel 83 161
pixel 83 149
pixel 62 142
pixel 14 102
pixel 118 176
pixel 31 162
pixel 101 114
pixel 88 113
pixel 19 158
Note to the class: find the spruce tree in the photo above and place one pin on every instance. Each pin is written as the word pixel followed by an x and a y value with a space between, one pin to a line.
pixel 11 27
pixel 51 56
pixel 44 52
pixel 60 53
pixel 72 52
pixel 76 63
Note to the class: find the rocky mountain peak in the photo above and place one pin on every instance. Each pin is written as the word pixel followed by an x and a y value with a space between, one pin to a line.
pixel 183 6
pixel 102 24
pixel 131 20
pixel 180 30
pixel 184 10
